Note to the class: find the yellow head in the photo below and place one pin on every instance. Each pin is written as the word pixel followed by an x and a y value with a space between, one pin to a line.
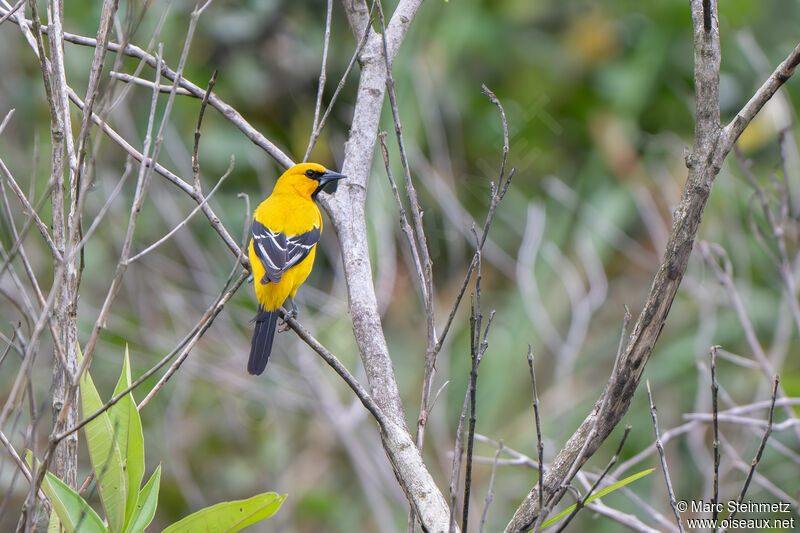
pixel 306 179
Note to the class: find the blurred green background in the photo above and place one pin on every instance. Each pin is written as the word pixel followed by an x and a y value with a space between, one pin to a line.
pixel 599 99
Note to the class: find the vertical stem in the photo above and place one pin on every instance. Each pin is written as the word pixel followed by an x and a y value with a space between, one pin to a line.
pixel 66 453
pixel 715 426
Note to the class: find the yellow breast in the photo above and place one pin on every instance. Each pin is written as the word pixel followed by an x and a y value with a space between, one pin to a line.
pixel 292 215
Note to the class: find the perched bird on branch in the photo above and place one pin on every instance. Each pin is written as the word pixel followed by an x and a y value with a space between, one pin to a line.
pixel 286 229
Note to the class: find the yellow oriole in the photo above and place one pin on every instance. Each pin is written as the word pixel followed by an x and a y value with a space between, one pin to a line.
pixel 286 229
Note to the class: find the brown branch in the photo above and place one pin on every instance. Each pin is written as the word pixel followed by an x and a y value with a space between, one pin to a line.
pixel 711 145
pixel 736 126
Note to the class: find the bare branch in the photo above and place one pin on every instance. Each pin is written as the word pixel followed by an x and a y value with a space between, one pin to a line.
pixel 31 212
pixel 127 78
pixel 538 421
pixel 489 491
pixel 359 47
pixel 711 146
pixel 195 163
pixel 322 76
pixel 782 73
pixel 715 441
pixel 660 448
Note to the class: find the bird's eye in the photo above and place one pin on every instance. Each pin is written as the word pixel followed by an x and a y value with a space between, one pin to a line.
pixel 311 173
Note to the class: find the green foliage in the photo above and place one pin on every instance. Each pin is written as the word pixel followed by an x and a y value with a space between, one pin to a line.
pixel 116 449
pixel 229 517
pixel 104 452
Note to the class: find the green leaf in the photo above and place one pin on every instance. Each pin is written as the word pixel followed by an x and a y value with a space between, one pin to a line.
pixel 104 453
pixel 228 517
pixel 73 511
pixel 128 435
pixel 611 488
pixel 69 507
pixel 54 525
pixel 146 504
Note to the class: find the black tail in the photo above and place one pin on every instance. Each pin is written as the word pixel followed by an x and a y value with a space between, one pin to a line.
pixel 262 340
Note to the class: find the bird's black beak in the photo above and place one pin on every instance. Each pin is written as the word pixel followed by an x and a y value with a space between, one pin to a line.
pixel 328 182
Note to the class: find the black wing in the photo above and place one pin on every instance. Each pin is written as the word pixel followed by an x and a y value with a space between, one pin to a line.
pixel 278 253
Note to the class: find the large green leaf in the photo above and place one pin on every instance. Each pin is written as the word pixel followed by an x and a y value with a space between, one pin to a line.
pixel 228 517
pixel 74 513
pixel 106 458
pixel 146 504
pixel 127 426
pixel 610 488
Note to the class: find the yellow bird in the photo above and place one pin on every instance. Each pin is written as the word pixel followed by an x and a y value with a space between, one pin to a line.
pixel 286 229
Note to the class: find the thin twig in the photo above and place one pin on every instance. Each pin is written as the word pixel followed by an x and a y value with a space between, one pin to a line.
pixel 539 443
pixel 20 463
pixel 359 47
pixel 195 163
pixel 103 210
pixel 489 491
pixel 715 427
pixel 322 75
pixel 186 219
pixel 760 451
pixel 497 193
pixel 31 212
pixel 217 307
pixel 10 111
pixel 404 225
pixel 12 11
pixel 660 448
pixel 473 391
pixel 128 78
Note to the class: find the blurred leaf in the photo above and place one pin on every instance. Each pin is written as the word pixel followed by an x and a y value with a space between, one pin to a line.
pixel 228 517
pixel 611 488
pixel 128 435
pixel 104 454
pixel 146 504
pixel 54 525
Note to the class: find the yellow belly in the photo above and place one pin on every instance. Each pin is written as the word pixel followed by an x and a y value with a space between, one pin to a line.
pixel 272 295
pixel 291 215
